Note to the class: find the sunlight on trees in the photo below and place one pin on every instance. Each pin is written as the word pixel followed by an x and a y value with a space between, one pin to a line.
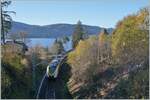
pixel 130 42
pixel 125 49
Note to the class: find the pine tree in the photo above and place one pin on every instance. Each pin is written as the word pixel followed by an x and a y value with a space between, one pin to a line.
pixel 5 18
pixel 78 34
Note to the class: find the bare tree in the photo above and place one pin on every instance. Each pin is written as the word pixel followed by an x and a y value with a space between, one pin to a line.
pixel 23 36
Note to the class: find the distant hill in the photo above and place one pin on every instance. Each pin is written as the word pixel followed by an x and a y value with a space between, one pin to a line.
pixel 53 30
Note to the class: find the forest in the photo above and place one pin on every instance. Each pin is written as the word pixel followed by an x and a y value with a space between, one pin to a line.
pixel 109 66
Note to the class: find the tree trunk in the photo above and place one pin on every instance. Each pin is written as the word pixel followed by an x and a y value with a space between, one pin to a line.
pixel 2 27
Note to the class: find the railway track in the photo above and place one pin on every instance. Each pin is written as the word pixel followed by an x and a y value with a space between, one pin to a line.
pixel 49 87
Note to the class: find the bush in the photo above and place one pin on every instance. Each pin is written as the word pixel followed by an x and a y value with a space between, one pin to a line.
pixel 16 77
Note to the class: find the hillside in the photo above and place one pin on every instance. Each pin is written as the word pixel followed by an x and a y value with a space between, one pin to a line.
pixel 53 30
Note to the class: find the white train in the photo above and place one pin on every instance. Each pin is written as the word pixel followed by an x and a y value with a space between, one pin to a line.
pixel 52 68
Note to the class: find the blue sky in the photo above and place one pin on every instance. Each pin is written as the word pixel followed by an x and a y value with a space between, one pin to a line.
pixel 104 13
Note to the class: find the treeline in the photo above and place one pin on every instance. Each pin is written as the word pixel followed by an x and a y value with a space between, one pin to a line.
pixel 96 61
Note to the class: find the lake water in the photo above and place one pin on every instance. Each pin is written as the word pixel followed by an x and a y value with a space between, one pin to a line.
pixel 47 42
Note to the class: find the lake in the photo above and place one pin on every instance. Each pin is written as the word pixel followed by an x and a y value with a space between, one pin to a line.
pixel 47 42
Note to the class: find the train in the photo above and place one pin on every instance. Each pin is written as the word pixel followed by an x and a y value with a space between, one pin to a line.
pixel 52 68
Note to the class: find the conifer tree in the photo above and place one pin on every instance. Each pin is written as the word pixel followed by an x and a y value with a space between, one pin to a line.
pixel 78 34
pixel 5 19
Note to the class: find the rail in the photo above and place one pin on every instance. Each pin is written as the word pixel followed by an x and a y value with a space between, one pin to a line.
pixel 56 72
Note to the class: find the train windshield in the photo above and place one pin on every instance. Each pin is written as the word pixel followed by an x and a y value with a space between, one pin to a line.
pixel 53 66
